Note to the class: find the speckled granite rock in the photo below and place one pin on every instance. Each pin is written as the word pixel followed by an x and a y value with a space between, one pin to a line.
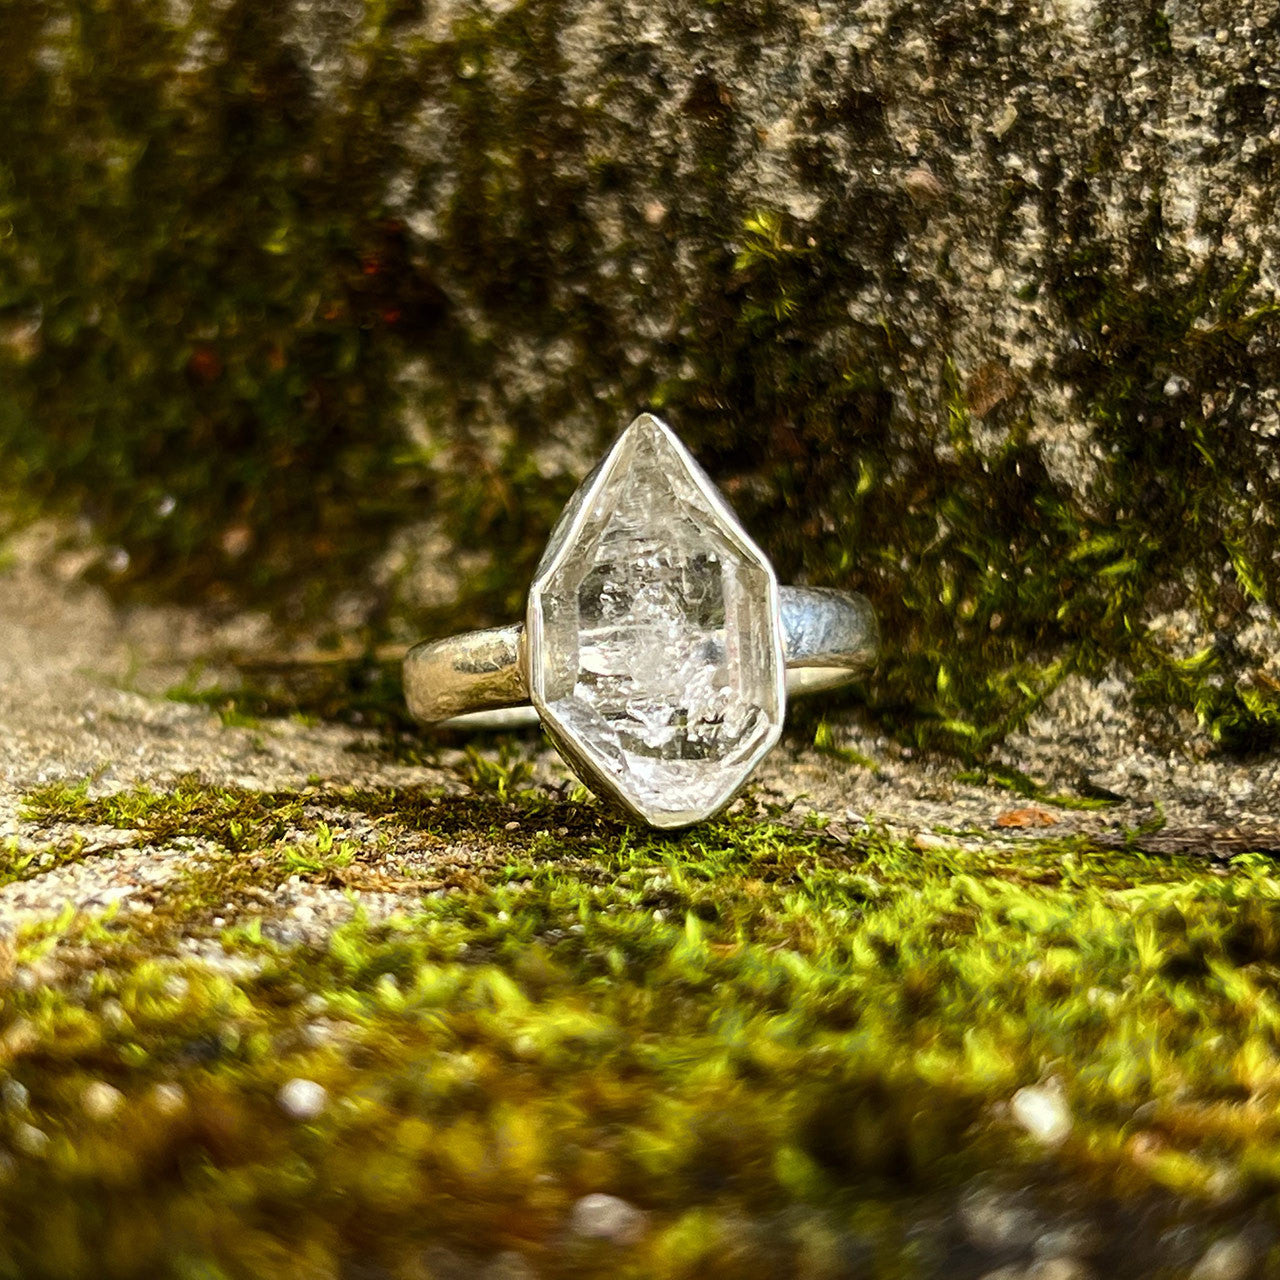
pixel 969 308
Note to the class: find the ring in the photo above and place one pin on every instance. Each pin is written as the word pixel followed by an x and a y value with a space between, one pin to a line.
pixel 658 649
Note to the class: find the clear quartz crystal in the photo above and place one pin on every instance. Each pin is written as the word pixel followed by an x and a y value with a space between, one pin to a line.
pixel 658 655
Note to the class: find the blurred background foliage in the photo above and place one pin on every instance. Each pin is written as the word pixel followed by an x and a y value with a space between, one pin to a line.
pixel 256 318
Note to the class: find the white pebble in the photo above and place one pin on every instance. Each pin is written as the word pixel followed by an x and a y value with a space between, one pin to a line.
pixel 1042 1111
pixel 302 1099
pixel 101 1100
pixel 927 840
pixel 508 1266
pixel 1229 1259
pixel 26 1137
pixel 177 986
pixel 604 1217
pixel 996 1222
pixel 1060 1268
pixel 15 1095
pixel 169 1099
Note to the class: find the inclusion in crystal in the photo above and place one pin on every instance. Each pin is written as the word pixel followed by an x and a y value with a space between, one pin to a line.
pixel 655 649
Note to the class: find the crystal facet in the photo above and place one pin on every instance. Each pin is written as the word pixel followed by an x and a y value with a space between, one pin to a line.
pixel 655 650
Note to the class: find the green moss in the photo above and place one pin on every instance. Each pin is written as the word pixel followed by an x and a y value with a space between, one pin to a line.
pixel 1156 366
pixel 233 817
pixel 18 864
pixel 743 1022
pixel 1024 785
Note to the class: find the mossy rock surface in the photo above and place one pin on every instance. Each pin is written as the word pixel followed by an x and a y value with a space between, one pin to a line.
pixel 779 1054
pixel 285 997
pixel 329 306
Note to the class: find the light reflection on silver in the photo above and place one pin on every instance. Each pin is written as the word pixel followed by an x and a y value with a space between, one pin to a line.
pixel 829 638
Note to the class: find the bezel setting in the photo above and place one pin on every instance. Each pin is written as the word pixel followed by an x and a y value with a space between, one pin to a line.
pixel 755 620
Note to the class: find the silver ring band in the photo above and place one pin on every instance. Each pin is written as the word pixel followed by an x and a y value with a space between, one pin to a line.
pixel 479 680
